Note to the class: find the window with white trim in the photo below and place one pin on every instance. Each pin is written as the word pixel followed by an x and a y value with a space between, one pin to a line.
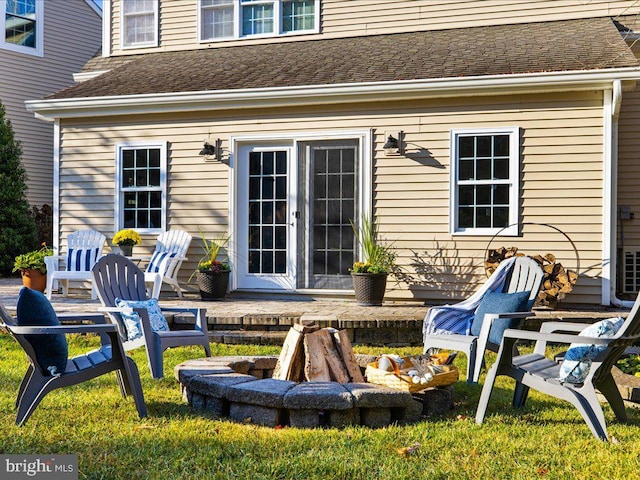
pixel 228 19
pixel 141 186
pixel 21 25
pixel 485 185
pixel 139 23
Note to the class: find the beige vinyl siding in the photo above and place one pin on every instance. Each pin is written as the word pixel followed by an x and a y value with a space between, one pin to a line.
pixel 340 18
pixel 561 138
pixel 629 171
pixel 27 77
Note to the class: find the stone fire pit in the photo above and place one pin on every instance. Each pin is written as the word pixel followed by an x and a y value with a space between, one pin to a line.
pixel 241 388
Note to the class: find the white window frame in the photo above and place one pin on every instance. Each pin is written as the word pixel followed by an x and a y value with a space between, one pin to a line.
pixel 278 22
pixel 119 192
pixel 153 43
pixel 38 50
pixel 513 181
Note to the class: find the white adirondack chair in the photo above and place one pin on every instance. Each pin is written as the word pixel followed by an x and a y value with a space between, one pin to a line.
pixel 518 274
pixel 84 248
pixel 169 253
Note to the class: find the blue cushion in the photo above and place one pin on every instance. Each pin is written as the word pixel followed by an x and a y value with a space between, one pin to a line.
pixel 52 351
pixel 498 302
pixel 132 320
pixel 577 360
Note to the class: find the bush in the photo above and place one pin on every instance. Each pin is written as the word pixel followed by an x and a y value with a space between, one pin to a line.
pixel 17 226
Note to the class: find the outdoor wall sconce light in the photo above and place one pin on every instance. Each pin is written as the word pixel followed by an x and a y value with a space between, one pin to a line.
pixel 212 152
pixel 394 145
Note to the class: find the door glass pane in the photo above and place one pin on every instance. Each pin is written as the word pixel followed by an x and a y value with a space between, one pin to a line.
pixel 333 188
pixel 267 208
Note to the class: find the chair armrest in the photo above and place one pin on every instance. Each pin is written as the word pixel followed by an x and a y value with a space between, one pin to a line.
pixel 200 315
pixel 40 330
pixel 509 315
pixel 95 318
pixel 109 309
pixel 53 262
pixel 542 338
pixel 548 327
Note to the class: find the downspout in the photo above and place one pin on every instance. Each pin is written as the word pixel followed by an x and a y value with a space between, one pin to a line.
pixel 610 207
pixel 56 187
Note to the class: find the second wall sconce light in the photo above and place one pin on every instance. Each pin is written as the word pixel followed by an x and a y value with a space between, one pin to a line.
pixel 212 151
pixel 394 145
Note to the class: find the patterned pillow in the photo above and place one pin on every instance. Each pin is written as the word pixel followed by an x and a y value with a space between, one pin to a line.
pixel 577 361
pixel 132 320
pixel 51 349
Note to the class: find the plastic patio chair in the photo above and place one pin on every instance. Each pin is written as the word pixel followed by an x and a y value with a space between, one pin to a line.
pixel 536 371
pixel 169 253
pixel 117 277
pixel 109 357
pixel 517 274
pixel 84 247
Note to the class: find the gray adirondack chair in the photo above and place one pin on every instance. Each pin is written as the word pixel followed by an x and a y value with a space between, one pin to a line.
pixel 536 371
pixel 525 274
pixel 116 276
pixel 109 357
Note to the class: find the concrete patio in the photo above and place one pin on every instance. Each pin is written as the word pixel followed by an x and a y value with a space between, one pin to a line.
pixel 265 320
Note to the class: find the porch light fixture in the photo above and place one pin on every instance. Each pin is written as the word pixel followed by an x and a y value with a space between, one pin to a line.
pixel 394 145
pixel 212 152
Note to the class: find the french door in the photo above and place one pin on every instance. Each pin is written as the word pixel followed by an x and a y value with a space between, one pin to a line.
pixel 294 209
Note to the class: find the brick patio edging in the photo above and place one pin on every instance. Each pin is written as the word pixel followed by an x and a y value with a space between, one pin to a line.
pixel 241 388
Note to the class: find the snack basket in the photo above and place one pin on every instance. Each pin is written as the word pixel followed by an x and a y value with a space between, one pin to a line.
pixel 400 380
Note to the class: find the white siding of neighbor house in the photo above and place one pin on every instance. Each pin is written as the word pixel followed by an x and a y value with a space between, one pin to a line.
pixel 28 77
pixel 561 145
pixel 340 18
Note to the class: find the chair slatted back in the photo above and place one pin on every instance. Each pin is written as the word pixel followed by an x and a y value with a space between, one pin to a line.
pixel 526 275
pixel 627 335
pixel 84 247
pixel 115 276
pixel 170 244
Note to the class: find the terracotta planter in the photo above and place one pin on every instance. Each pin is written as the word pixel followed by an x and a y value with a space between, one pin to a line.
pixel 212 285
pixel 34 280
pixel 369 288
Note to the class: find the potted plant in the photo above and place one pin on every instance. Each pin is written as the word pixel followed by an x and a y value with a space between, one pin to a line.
pixel 125 239
pixel 32 267
pixel 377 262
pixel 212 275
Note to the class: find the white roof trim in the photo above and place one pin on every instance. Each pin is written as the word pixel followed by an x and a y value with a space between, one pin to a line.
pixel 329 94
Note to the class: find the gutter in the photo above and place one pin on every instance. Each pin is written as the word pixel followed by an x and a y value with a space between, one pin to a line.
pixel 269 97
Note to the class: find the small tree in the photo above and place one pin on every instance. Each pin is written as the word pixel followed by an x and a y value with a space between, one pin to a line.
pixel 17 226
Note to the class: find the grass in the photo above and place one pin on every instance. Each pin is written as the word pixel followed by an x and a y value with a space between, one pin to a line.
pixel 547 439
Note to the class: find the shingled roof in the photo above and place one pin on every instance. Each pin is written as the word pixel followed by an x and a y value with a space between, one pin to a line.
pixel 561 46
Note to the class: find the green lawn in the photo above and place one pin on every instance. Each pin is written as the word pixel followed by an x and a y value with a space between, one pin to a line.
pixel 548 439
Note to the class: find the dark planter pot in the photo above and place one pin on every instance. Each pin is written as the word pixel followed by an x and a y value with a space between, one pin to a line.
pixel 34 280
pixel 369 288
pixel 127 250
pixel 213 286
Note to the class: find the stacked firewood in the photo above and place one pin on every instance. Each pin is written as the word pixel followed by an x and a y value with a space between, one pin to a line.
pixel 314 354
pixel 557 280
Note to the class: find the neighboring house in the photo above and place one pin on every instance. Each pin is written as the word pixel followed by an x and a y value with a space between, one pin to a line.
pixel 517 122
pixel 42 44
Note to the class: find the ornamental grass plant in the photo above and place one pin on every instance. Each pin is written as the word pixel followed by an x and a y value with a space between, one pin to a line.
pixel 546 440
